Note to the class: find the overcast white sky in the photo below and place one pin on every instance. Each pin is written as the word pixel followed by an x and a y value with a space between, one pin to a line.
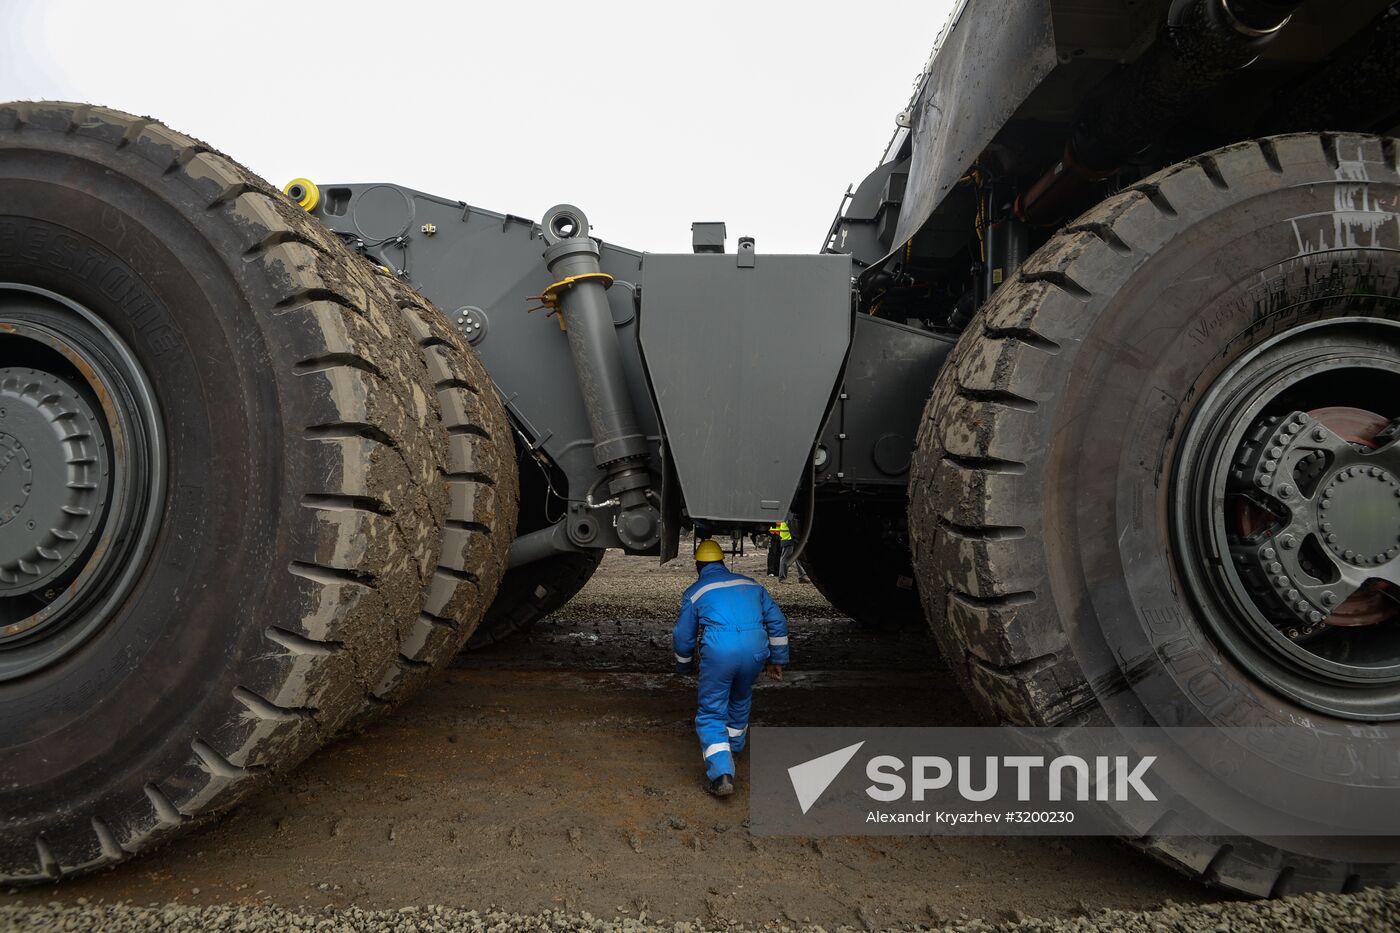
pixel 647 115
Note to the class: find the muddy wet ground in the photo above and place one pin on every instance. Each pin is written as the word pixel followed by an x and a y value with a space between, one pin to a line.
pixel 560 771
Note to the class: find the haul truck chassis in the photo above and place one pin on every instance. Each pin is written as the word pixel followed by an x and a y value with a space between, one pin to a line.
pixel 1098 370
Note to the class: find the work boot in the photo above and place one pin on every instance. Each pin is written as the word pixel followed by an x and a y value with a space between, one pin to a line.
pixel 722 786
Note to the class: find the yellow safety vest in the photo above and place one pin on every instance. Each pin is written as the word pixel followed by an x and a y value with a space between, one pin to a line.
pixel 781 530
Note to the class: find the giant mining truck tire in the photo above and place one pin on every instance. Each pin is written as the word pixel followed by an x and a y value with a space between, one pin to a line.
pixel 860 565
pixel 1085 465
pixel 480 474
pixel 223 486
pixel 532 591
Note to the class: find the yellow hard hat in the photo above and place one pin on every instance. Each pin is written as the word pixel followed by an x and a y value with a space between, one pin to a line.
pixel 708 552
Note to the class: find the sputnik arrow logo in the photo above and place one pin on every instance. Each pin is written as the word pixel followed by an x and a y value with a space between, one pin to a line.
pixel 811 778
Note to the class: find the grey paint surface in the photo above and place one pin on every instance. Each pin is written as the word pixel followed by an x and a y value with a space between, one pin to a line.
pixel 990 60
pixel 494 262
pixel 743 363
pixel 889 375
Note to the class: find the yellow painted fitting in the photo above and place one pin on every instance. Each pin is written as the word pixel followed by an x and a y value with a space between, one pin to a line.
pixel 552 293
pixel 550 299
pixel 307 194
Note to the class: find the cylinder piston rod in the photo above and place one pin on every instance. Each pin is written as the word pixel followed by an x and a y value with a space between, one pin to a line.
pixel 620 449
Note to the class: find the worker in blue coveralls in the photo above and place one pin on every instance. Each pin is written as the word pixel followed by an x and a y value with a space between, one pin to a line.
pixel 736 628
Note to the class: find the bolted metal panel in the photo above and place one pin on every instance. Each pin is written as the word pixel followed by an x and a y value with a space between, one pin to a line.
pixel 743 352
pixel 482 269
pixel 869 438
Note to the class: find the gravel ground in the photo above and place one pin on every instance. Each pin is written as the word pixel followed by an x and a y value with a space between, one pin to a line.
pixel 555 779
pixel 1366 912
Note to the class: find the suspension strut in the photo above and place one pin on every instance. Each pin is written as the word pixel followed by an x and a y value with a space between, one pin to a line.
pixel 579 294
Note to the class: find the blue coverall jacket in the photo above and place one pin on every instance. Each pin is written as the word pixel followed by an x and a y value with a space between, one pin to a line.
pixel 736 628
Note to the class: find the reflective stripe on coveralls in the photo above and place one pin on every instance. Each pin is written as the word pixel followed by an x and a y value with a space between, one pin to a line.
pixel 739 629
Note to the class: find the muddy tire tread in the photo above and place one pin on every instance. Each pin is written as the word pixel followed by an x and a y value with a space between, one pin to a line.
pixel 483 489
pixel 368 429
pixel 983 585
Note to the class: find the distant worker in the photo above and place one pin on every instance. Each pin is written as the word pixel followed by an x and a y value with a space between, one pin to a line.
pixel 737 628
pixel 785 551
pixel 775 550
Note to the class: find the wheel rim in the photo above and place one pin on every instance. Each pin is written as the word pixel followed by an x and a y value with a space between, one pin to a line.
pixel 1287 514
pixel 82 474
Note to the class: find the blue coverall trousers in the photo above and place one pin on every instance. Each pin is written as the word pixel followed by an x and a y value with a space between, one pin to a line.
pixel 735 627
pixel 730 662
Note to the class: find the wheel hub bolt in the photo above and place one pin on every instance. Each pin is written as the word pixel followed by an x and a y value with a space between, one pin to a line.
pixel 1288 542
pixel 1329 597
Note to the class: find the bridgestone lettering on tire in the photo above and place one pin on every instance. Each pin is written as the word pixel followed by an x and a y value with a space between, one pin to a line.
pixel 304 491
pixel 1051 496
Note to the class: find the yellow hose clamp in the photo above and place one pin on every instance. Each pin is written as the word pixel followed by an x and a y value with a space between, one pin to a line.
pixel 304 192
pixel 550 298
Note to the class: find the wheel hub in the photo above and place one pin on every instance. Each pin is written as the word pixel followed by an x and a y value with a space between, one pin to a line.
pixel 16 477
pixel 81 475
pixel 53 478
pixel 1287 511
pixel 1340 525
pixel 1360 515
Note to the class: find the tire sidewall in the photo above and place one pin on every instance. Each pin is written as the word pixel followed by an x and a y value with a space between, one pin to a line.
pixel 154 669
pixel 1230 279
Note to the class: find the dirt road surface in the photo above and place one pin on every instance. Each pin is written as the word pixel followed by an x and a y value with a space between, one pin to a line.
pixel 561 772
